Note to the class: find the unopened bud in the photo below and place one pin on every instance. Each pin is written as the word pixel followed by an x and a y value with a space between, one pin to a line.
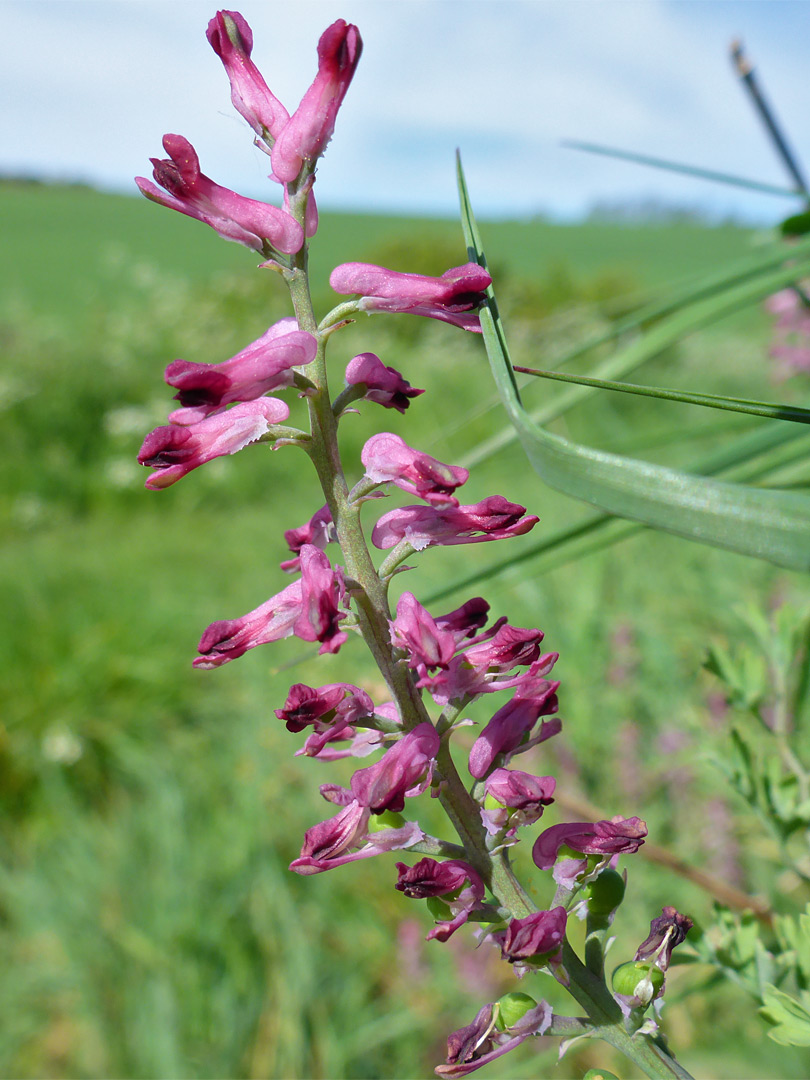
pixel 511 1008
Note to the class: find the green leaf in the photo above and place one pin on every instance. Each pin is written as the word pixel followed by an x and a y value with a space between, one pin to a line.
pixel 766 524
pixel 790 1017
pixel 797 225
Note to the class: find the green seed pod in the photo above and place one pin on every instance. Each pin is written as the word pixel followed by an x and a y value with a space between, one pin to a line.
pixel 606 893
pixel 599 1074
pixel 627 977
pixel 513 1007
pixel 386 820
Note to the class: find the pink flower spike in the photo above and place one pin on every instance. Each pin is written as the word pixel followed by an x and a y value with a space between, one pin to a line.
pixel 187 190
pixel 416 632
pixel 388 458
pixel 505 731
pixel 319 530
pixel 452 298
pixel 174 450
pixel 232 40
pixel 309 129
pixel 400 772
pixel 431 878
pixel 619 836
pixel 228 639
pixel 384 385
pixel 322 592
pixel 264 365
pixel 494 518
pixel 344 839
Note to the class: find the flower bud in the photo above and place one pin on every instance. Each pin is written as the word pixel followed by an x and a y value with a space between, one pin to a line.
pixel 511 1008
pixel 638 980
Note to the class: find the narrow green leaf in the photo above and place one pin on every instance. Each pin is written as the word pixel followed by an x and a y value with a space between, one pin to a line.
pixel 771 525
pixel 687 170
pixel 712 401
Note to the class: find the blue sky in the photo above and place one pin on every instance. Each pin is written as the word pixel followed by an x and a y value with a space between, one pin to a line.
pixel 89 87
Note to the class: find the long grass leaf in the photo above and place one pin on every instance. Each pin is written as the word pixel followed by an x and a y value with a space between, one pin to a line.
pixel 770 525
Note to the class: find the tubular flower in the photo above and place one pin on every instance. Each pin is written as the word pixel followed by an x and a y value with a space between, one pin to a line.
pixel 232 40
pixel 619 836
pixel 537 935
pixel 666 932
pixel 264 365
pixel 494 518
pixel 404 770
pixel 506 730
pixel 247 221
pixel 465 620
pixel 388 458
pixel 448 880
pixel 344 839
pixel 175 449
pixel 340 702
pixel 452 298
pixel 309 129
pixel 384 385
pixel 227 639
pixel 322 591
pixel 416 632
pixel 319 530
pixel 481 1042
pixel 514 799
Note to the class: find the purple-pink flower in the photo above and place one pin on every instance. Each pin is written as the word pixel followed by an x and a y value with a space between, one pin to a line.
pixel 319 530
pixel 507 729
pixel 494 518
pixel 345 838
pixel 305 135
pixel 338 703
pixel 666 932
pixel 322 592
pixel 388 458
pixel 791 340
pixel 455 881
pixel 514 799
pixel 404 770
pixel 189 191
pixel 175 449
pixel 264 365
pixel 229 638
pixel 416 632
pixel 619 836
pixel 384 385
pixel 540 933
pixel 232 40
pixel 452 298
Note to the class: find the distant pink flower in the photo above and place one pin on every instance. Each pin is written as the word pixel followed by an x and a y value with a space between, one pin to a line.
pixel 319 530
pixel 232 40
pixel 189 191
pixel 791 340
pixel 384 385
pixel 431 878
pixel 309 129
pixel 452 298
pixel 494 518
pixel 403 770
pixel 615 837
pixel 264 365
pixel 228 639
pixel 175 449
pixel 322 592
pixel 388 458
pixel 345 838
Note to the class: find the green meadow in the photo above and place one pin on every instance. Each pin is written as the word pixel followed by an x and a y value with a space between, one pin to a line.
pixel 149 926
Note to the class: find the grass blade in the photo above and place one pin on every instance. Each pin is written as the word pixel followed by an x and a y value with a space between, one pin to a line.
pixel 765 524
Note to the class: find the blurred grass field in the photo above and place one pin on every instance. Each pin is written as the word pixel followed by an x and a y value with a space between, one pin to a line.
pixel 148 924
